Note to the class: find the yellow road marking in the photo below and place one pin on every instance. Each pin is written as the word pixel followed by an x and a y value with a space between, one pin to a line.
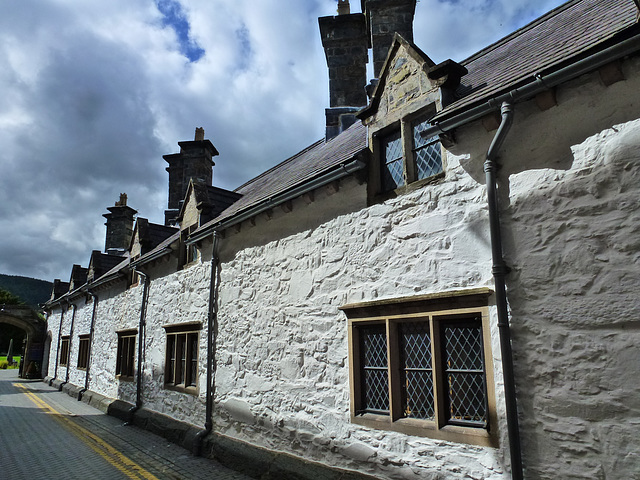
pixel 106 451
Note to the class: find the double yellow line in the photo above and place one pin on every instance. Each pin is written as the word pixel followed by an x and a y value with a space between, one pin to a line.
pixel 106 451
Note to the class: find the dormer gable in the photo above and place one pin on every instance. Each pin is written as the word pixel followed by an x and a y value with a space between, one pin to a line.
pixel 203 203
pixel 403 86
pixel 78 277
pixel 147 236
pixel 100 263
pixel 407 96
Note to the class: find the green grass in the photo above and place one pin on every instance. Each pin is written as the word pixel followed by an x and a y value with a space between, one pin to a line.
pixel 15 359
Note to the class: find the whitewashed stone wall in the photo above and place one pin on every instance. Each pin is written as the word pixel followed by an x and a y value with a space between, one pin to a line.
pixel 570 191
pixel 81 326
pixel 282 378
pixel 575 303
pixel 175 298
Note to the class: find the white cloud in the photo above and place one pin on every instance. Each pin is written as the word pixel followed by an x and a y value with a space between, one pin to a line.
pixel 94 93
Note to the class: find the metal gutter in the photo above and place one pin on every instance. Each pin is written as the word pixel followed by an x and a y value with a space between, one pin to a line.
pixel 153 256
pixel 536 85
pixel 141 338
pixel 342 171
pixel 55 372
pixel 212 335
pixel 91 330
pixel 500 271
pixel 73 318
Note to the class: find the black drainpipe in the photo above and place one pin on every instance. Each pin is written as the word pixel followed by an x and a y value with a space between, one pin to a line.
pixel 212 334
pixel 141 339
pixel 91 328
pixel 55 372
pixel 500 271
pixel 73 318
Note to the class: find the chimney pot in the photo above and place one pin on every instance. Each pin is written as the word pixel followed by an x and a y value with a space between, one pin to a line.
pixel 343 7
pixel 199 134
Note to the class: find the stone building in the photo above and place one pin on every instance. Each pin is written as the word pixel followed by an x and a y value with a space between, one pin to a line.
pixel 443 287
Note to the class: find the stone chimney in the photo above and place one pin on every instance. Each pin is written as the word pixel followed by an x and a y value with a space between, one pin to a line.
pixel 384 19
pixel 345 42
pixel 193 162
pixel 119 227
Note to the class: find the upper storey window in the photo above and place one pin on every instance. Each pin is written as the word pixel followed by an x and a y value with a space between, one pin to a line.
pixel 406 156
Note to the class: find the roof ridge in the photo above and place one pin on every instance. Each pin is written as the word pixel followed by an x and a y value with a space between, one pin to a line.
pixel 525 28
pixel 278 165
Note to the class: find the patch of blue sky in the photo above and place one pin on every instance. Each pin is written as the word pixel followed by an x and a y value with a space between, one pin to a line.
pixel 174 17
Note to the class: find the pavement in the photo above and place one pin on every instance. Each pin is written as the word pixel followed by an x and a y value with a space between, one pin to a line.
pixel 46 434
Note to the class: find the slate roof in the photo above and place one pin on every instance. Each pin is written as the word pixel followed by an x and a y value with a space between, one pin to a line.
pixel 304 166
pixel 565 32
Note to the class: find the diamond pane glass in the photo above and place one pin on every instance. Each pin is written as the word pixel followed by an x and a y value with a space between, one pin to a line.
pixel 427 153
pixel 418 377
pixel 392 164
pixel 375 380
pixel 464 371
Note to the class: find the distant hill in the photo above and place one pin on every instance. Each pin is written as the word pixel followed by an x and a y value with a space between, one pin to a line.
pixel 30 290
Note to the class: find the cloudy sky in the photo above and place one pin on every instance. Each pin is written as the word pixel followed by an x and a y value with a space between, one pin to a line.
pixel 95 92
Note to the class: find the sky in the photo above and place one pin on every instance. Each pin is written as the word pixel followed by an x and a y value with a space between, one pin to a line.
pixel 94 93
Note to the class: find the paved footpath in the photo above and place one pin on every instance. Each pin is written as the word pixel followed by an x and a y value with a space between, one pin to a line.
pixel 46 434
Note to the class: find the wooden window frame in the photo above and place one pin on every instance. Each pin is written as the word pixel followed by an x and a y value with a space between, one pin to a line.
pixel 182 357
pixel 405 127
pixel 126 355
pixel 434 309
pixel 83 351
pixel 65 342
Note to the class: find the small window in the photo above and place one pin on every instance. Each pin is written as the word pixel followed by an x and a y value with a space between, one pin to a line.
pixel 392 168
pixel 83 352
pixel 423 373
pixel 406 156
pixel 181 364
pixel 64 351
pixel 125 357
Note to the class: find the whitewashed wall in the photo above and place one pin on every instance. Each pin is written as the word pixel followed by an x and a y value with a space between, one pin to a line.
pixel 570 191
pixel 282 379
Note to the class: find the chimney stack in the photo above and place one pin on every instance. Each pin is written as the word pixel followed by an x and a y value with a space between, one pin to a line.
pixel 345 42
pixel 384 19
pixel 119 227
pixel 194 162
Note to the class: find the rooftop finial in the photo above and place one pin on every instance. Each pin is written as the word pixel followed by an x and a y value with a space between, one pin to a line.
pixel 123 200
pixel 343 7
pixel 199 134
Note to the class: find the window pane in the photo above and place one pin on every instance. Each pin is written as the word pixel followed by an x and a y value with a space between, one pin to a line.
pixel 131 356
pixel 171 358
pixel 375 380
pixel 464 371
pixel 193 358
pixel 427 153
pixel 181 352
pixel 392 171
pixel 418 376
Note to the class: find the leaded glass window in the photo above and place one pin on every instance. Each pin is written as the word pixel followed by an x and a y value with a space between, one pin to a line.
pixel 417 381
pixel 375 381
pixel 426 151
pixel 463 365
pixel 392 171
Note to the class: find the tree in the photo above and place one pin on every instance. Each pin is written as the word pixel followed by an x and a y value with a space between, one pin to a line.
pixel 8 298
